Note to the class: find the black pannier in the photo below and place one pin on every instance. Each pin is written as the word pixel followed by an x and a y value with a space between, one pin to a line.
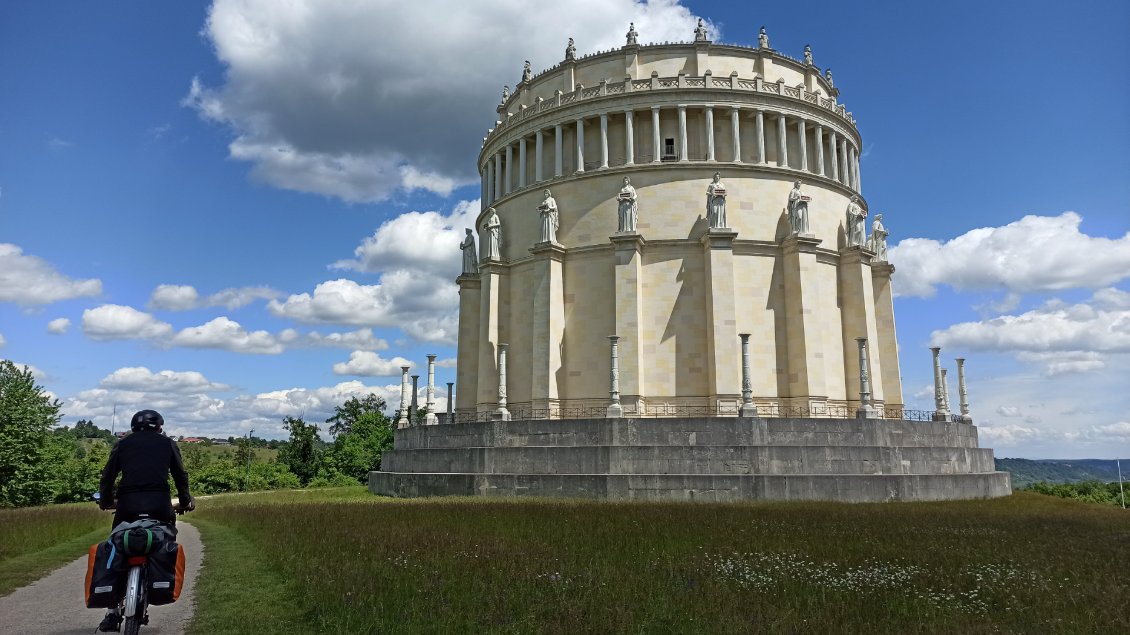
pixel 165 573
pixel 105 581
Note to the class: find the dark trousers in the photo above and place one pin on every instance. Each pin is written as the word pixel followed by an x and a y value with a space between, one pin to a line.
pixel 136 505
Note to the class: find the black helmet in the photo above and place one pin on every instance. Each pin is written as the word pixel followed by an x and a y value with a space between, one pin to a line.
pixel 147 420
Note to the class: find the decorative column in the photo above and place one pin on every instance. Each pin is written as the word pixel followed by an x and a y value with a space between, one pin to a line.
pixel 858 183
pixel 603 140
pixel 509 169
pixel 558 151
pixel 430 394
pixel 945 389
pixel 747 410
pixel 761 136
pixel 736 132
pixel 414 413
pixel 940 413
pixel 709 133
pixel 832 144
pixel 614 408
pixel 450 401
pixel 538 154
pixel 522 163
pixel 843 161
pixel 962 395
pixel 497 175
pixel 866 410
pixel 488 183
pixel 628 281
pixel 657 143
pixel 402 420
pixel 682 132
pixel 782 142
pixel 818 137
pixel 580 145
pixel 851 167
pixel 629 138
pixel 501 413
pixel 803 144
pixel 547 318
pixel 723 383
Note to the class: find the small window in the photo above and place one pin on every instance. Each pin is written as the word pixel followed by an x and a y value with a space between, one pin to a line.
pixel 669 148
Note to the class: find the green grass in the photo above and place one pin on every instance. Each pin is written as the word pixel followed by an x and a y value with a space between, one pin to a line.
pixel 36 540
pixel 338 561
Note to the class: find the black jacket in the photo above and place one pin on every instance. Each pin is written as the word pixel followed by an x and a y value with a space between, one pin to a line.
pixel 145 459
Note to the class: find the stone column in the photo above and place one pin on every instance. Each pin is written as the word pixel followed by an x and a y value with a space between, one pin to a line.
pixel 945 389
pixel 866 410
pixel 803 144
pixel 760 136
pixel 497 175
pixel 736 132
pixel 682 133
pixel 488 184
pixel 614 408
pixel 629 138
pixel 467 356
pixel 522 163
pixel 709 133
pixel 538 156
pixel 962 395
pixel 501 413
pixel 818 137
pixel 885 348
pixel 604 140
pixel 857 319
pixel 656 141
pixel 580 145
pixel 430 394
pixel 844 176
pixel 832 145
pixel 804 335
pixel 402 420
pixel 492 278
pixel 721 318
pixel 851 167
pixel 628 252
pixel 782 142
pixel 858 183
pixel 413 416
pixel 748 409
pixel 450 401
pixel 506 179
pixel 547 314
pixel 558 151
pixel 483 188
pixel 940 413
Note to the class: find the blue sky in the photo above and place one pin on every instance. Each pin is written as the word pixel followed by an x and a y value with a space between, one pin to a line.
pixel 273 158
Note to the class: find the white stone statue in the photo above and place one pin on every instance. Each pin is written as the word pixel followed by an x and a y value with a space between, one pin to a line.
pixel 492 236
pixel 549 218
pixel 628 212
pixel 762 39
pixel 505 93
pixel 808 55
pixel 878 241
pixel 798 210
pixel 470 255
pixel 716 203
pixel 570 51
pixel 527 72
pixel 700 32
pixel 828 77
pixel 856 215
pixel 632 35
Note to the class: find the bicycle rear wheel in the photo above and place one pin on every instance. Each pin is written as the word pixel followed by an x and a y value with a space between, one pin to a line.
pixel 132 624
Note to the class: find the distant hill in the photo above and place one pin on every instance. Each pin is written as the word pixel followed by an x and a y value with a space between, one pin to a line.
pixel 1027 471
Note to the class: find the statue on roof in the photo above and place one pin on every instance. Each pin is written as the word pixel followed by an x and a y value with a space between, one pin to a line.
pixel 716 203
pixel 549 218
pixel 527 73
pixel 828 77
pixel 505 93
pixel 632 35
pixel 700 32
pixel 808 55
pixel 627 211
pixel 492 236
pixel 762 39
pixel 570 51
pixel 878 241
pixel 470 257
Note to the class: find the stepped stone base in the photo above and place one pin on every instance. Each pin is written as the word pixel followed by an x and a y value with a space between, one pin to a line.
pixel 702 459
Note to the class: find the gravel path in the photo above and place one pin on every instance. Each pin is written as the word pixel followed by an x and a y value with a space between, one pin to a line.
pixel 54 605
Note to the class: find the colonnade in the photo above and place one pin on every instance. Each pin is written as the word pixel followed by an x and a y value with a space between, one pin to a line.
pixel 835 156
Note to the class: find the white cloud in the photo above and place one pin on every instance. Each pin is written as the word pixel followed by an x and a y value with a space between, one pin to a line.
pixel 1116 432
pixel 174 297
pixel 370 364
pixel 1007 436
pixel 117 322
pixel 28 280
pixel 450 362
pixel 1035 253
pixel 229 335
pixel 2 340
pixel 1008 411
pixel 141 379
pixel 1063 363
pixel 361 339
pixel 321 98
pixel 58 326
pixel 422 241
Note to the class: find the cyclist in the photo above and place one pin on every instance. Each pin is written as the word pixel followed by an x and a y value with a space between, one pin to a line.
pixel 144 458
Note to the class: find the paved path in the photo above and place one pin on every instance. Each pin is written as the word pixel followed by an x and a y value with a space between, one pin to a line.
pixel 55 606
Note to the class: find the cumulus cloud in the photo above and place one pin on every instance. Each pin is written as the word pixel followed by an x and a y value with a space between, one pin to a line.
pixel 1013 435
pixel 141 379
pixel 1035 253
pixel 177 297
pixel 29 280
pixel 317 103
pixel 58 326
pixel 227 334
pixel 361 339
pixel 422 241
pixel 118 322
pixel 370 364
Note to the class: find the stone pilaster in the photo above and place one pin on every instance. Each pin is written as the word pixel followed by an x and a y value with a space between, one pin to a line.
pixel 604 140
pixel 539 155
pixel 580 145
pixel 857 314
pixel 558 151
pixel 760 130
pixel 782 141
pixel 833 146
pixel 656 140
pixel 682 133
pixel 506 179
pixel 803 144
pixel 492 276
pixel 548 316
pixel 629 136
pixel 467 355
pixel 430 395
pixel 522 163
pixel 721 317
pixel 628 254
pixel 818 138
pixel 803 330
pixel 886 346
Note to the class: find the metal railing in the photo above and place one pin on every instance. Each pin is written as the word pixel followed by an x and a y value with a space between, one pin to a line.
pixel 771 411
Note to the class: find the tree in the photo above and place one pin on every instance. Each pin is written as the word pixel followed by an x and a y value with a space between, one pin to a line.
pixel 347 414
pixel 27 414
pixel 362 434
pixel 300 453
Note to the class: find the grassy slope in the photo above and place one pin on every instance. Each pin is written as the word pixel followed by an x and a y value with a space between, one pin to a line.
pixel 362 564
pixel 36 540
